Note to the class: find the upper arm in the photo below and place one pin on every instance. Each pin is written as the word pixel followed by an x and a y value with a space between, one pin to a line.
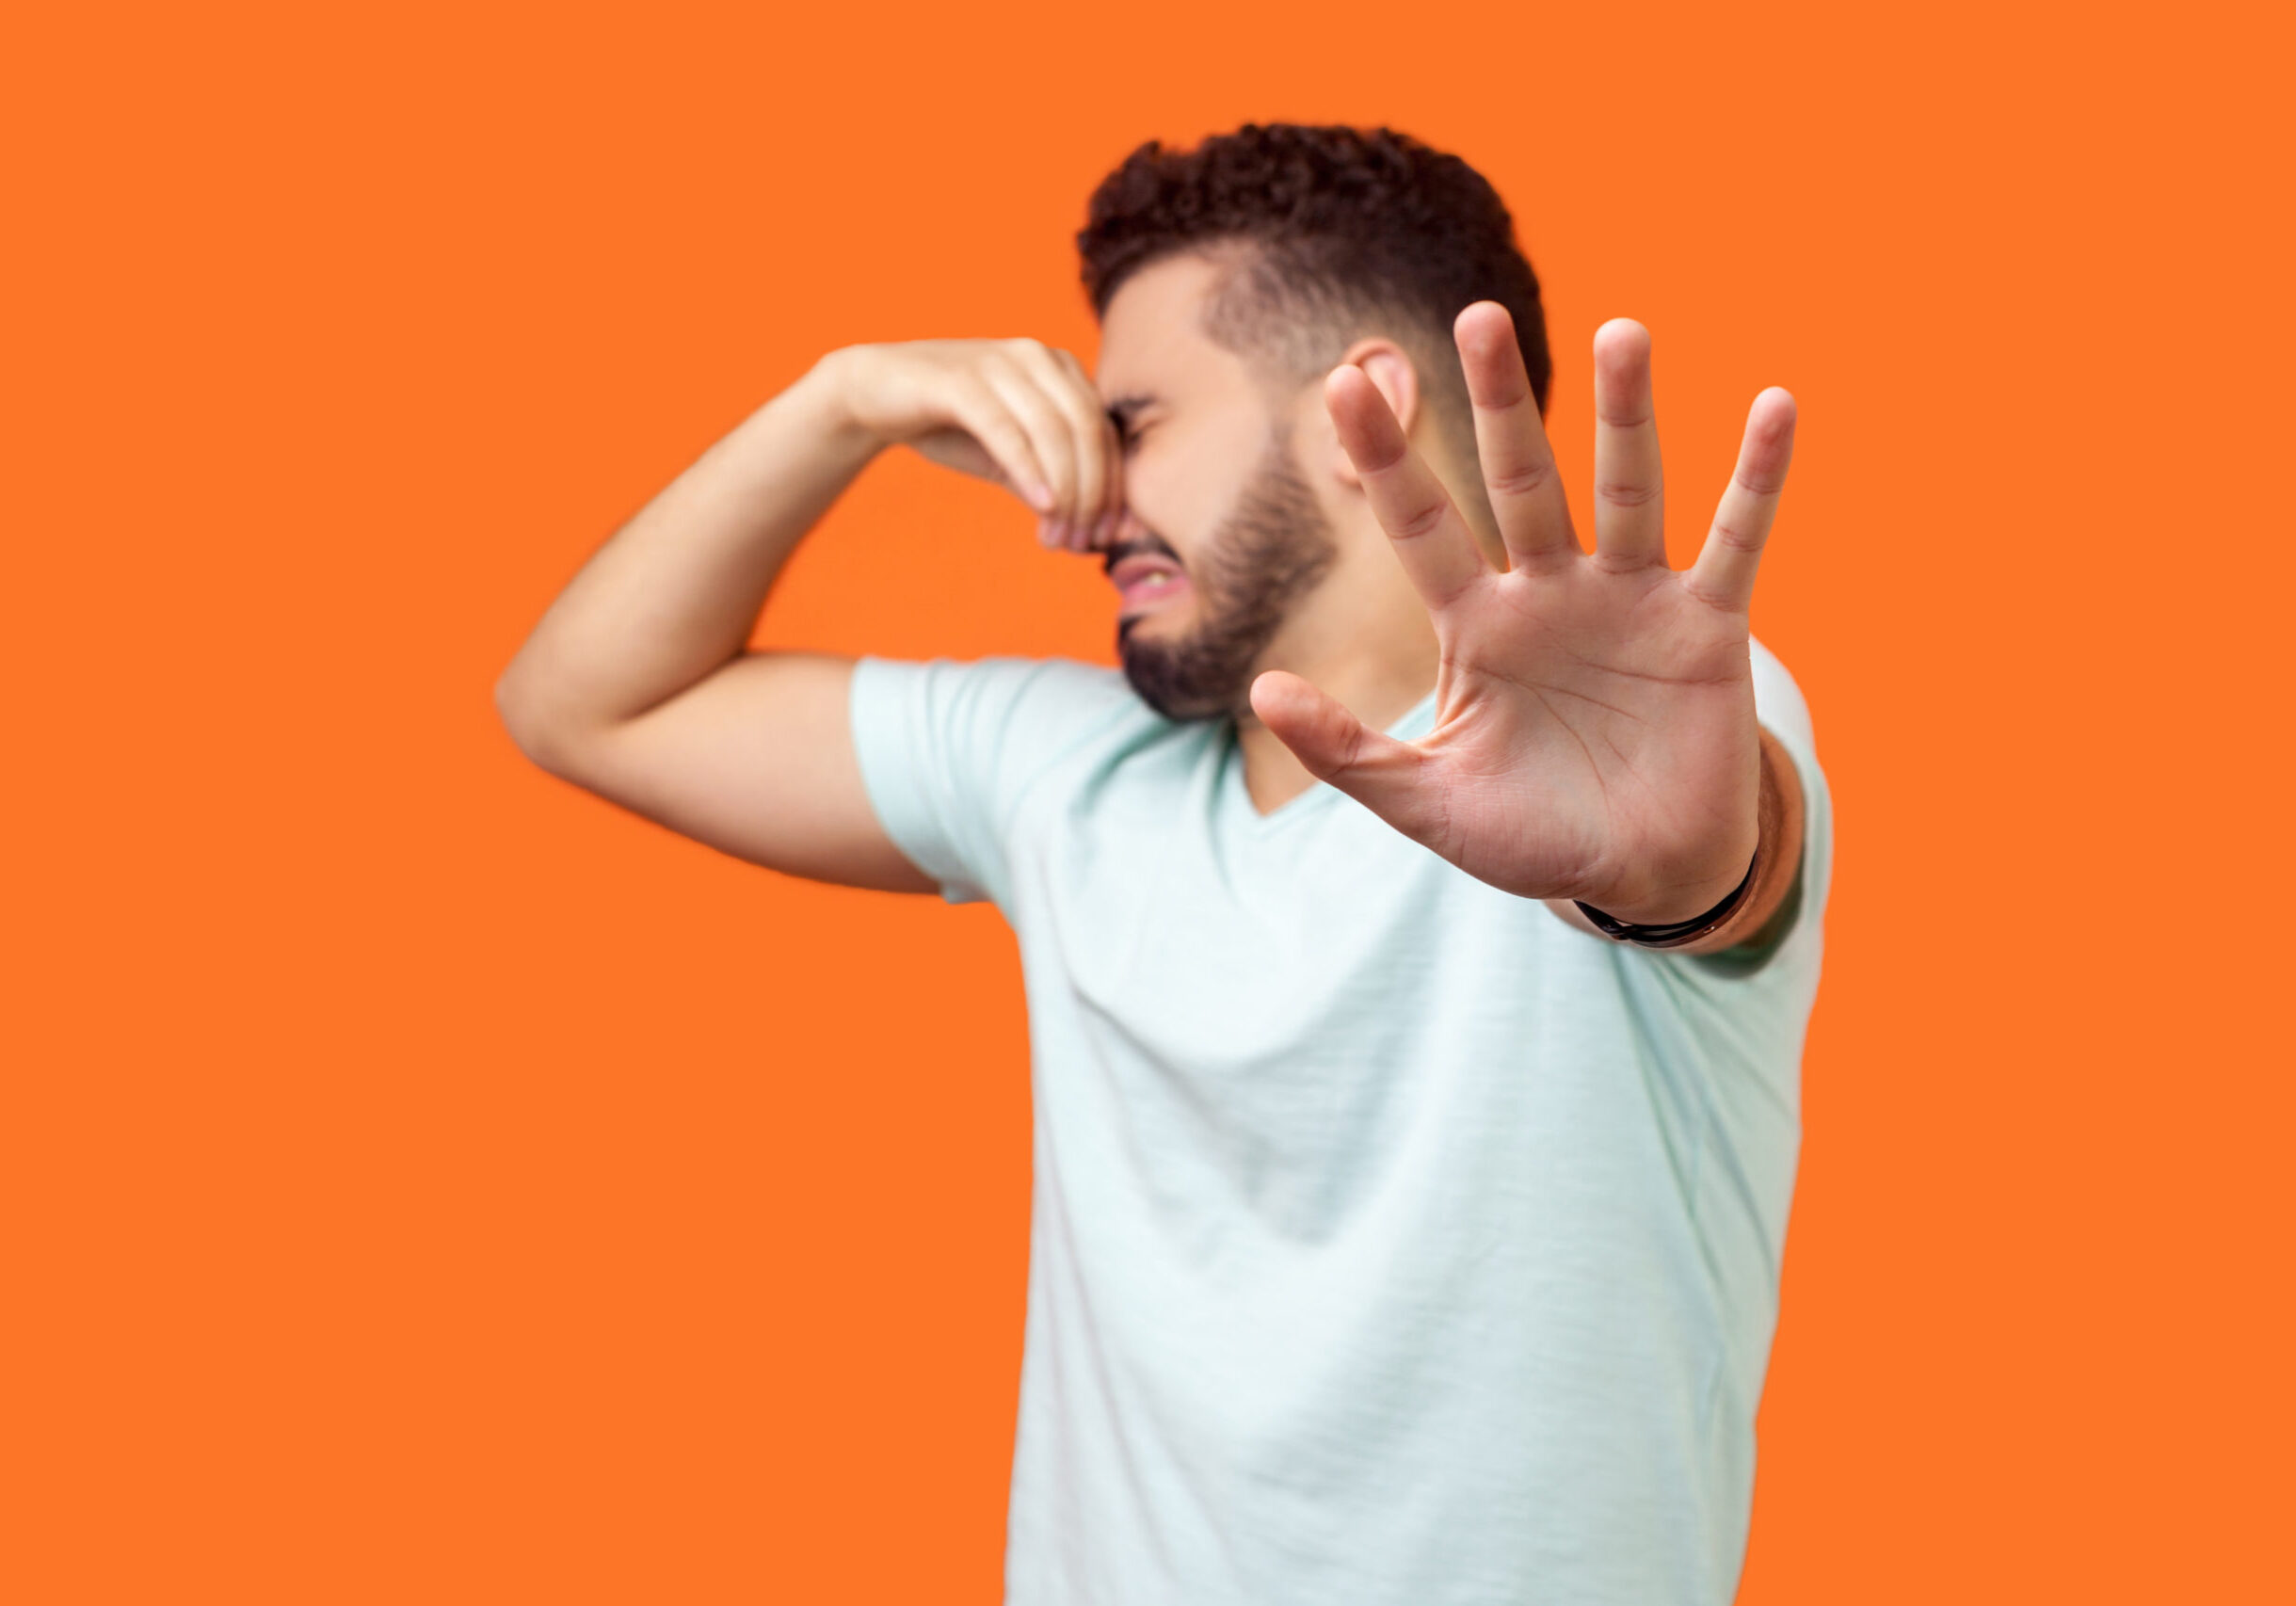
pixel 757 760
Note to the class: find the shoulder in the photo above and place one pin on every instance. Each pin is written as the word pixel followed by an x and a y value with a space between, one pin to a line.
pixel 1005 714
pixel 1052 688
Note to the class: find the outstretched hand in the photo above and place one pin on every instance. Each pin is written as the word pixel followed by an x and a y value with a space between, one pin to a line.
pixel 1594 734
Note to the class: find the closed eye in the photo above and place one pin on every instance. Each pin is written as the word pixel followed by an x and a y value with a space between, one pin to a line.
pixel 1124 412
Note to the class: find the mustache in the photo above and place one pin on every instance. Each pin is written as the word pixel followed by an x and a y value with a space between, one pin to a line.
pixel 1148 547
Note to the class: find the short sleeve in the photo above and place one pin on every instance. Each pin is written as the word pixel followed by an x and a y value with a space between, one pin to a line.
pixel 948 749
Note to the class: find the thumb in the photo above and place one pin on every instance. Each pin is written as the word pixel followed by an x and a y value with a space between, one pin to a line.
pixel 1386 775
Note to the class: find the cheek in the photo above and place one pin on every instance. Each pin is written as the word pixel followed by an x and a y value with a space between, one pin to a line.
pixel 1178 507
pixel 1183 488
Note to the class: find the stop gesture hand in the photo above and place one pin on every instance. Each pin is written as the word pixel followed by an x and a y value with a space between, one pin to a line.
pixel 1594 734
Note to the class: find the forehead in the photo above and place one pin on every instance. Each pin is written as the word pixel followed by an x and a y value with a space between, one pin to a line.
pixel 1153 339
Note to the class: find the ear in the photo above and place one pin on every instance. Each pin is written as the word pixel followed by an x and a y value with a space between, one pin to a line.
pixel 1390 368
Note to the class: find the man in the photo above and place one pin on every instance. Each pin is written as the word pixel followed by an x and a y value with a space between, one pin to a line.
pixel 1419 933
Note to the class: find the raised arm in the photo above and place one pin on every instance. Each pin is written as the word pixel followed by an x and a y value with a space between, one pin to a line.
pixel 637 684
pixel 1595 740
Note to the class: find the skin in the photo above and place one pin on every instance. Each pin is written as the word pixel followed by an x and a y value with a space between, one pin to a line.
pixel 1202 417
pixel 1272 549
pixel 1594 735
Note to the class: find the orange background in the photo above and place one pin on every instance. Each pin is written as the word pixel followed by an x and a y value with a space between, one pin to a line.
pixel 425 1182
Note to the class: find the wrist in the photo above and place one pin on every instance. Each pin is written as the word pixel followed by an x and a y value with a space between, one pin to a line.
pixel 1682 931
pixel 1672 901
pixel 1776 861
pixel 825 391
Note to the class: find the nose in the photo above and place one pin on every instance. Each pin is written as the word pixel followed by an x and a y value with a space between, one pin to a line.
pixel 1110 530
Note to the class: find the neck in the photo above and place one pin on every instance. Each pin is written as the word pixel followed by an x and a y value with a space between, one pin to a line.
pixel 1378 694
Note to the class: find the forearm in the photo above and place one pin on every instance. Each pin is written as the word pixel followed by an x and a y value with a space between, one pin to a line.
pixel 1778 859
pixel 675 594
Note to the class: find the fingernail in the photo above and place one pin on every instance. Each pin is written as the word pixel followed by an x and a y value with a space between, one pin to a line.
pixel 1040 498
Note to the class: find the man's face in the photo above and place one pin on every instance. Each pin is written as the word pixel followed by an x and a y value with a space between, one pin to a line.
pixel 1223 534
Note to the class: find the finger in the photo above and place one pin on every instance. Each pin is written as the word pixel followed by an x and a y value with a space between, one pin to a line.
pixel 987 419
pixel 1630 507
pixel 1048 432
pixel 1387 776
pixel 1511 440
pixel 1112 451
pixel 1724 574
pixel 1079 405
pixel 1430 540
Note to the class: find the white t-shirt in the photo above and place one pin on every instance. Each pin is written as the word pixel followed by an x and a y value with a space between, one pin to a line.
pixel 1391 1240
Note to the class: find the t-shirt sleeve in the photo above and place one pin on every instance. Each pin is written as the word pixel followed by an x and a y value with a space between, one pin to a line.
pixel 1783 713
pixel 948 748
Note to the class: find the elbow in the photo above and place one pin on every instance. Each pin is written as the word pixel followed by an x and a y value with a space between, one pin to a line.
pixel 526 719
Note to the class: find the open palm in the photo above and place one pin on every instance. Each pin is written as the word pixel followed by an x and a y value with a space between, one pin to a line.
pixel 1594 734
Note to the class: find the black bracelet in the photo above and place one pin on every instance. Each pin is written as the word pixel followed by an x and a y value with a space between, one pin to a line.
pixel 1681 931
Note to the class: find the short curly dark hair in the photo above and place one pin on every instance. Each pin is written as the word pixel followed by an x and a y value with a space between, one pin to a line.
pixel 1344 230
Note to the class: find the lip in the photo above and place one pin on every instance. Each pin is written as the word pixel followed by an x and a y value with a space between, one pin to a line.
pixel 1147 579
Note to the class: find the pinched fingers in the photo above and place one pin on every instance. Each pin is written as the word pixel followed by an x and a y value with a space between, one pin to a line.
pixel 1723 574
pixel 982 412
pixel 1100 517
pixel 1088 440
pixel 1032 402
pixel 1432 541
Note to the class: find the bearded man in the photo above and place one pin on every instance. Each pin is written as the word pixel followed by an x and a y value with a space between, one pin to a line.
pixel 1420 933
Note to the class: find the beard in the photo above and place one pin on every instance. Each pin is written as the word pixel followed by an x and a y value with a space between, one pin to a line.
pixel 1273 547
